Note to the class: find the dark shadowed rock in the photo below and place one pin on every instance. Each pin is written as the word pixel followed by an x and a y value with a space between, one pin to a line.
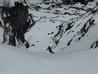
pixel 18 21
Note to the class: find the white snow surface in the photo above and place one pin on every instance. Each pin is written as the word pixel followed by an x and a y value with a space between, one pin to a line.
pixel 74 59
pixel 19 61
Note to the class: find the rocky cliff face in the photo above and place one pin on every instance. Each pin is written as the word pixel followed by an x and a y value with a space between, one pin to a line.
pixel 16 22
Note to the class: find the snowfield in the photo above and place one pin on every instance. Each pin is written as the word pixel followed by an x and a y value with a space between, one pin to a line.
pixel 20 61
pixel 72 54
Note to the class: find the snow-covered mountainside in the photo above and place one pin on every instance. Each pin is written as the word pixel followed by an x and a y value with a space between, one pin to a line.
pixel 69 30
pixel 63 27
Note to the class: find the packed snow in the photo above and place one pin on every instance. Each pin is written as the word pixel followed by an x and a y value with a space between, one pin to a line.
pixel 19 61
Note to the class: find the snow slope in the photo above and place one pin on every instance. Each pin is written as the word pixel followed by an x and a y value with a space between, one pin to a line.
pixel 20 61
pixel 76 58
pixel 47 20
